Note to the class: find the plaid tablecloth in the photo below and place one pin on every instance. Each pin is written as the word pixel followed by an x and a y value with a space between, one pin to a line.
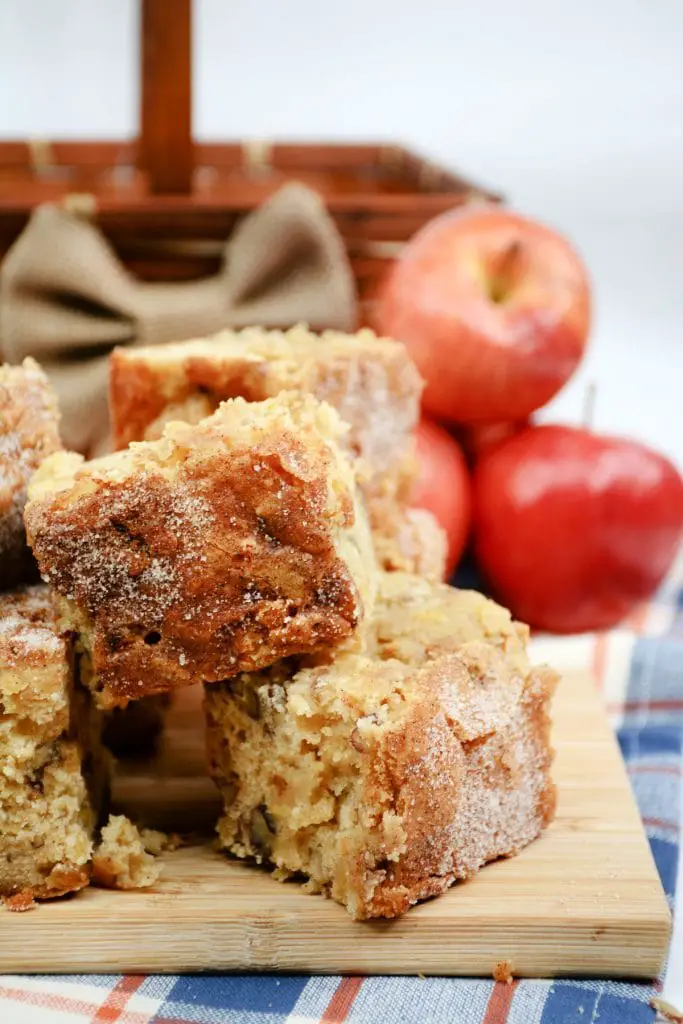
pixel 640 671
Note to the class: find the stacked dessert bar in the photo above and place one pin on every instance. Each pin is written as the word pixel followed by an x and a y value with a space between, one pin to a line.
pixel 370 381
pixel 368 726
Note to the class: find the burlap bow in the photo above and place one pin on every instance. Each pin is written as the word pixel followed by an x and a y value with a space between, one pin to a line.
pixel 67 300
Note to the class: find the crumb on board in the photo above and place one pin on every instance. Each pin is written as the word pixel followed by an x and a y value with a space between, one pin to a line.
pixel 665 1011
pixel 502 971
pixel 156 842
pixel 121 860
pixel 20 902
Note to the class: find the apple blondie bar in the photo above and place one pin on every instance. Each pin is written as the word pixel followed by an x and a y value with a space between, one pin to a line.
pixel 386 774
pixel 221 547
pixel 29 430
pixel 371 381
pixel 52 770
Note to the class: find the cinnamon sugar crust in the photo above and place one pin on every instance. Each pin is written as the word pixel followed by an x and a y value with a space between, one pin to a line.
pixel 219 548
pixel 386 775
pixel 371 381
pixel 29 430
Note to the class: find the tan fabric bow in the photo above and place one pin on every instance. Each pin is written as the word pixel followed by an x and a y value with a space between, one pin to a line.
pixel 66 299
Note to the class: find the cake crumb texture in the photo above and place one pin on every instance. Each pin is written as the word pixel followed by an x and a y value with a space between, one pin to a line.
pixel 123 859
pixel 20 903
pixel 156 842
pixel 52 771
pixel 502 971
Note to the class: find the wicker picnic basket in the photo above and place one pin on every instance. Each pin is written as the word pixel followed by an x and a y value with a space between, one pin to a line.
pixel 167 203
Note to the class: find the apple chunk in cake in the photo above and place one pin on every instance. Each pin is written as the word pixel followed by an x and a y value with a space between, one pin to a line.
pixel 219 548
pixel 386 775
pixel 29 430
pixel 371 381
pixel 51 767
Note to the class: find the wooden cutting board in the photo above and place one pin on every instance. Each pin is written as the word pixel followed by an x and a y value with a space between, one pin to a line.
pixel 584 899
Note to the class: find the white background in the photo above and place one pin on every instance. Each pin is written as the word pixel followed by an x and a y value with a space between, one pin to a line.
pixel 575 110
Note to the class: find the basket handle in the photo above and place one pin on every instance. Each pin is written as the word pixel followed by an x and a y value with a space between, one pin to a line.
pixel 166 148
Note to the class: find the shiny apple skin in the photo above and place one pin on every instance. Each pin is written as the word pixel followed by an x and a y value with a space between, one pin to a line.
pixel 444 486
pixel 484 359
pixel 572 530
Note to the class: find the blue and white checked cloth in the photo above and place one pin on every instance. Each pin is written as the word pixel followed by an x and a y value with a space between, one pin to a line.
pixel 640 670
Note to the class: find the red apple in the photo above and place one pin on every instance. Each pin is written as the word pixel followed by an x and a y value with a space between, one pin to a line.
pixel 495 310
pixel 572 530
pixel 443 486
pixel 480 437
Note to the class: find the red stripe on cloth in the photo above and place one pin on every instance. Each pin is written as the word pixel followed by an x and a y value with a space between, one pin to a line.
pixel 654 769
pixel 668 826
pixel 341 1002
pixel 499 1003
pixel 646 705
pixel 64 1004
pixel 600 660
pixel 115 1003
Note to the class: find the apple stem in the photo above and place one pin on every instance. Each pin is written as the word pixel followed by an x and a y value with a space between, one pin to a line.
pixel 503 273
pixel 589 405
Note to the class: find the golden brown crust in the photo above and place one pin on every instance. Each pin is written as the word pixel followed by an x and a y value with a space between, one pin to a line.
pixel 220 548
pixel 61 881
pixel 387 775
pixel 29 430
pixel 371 381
